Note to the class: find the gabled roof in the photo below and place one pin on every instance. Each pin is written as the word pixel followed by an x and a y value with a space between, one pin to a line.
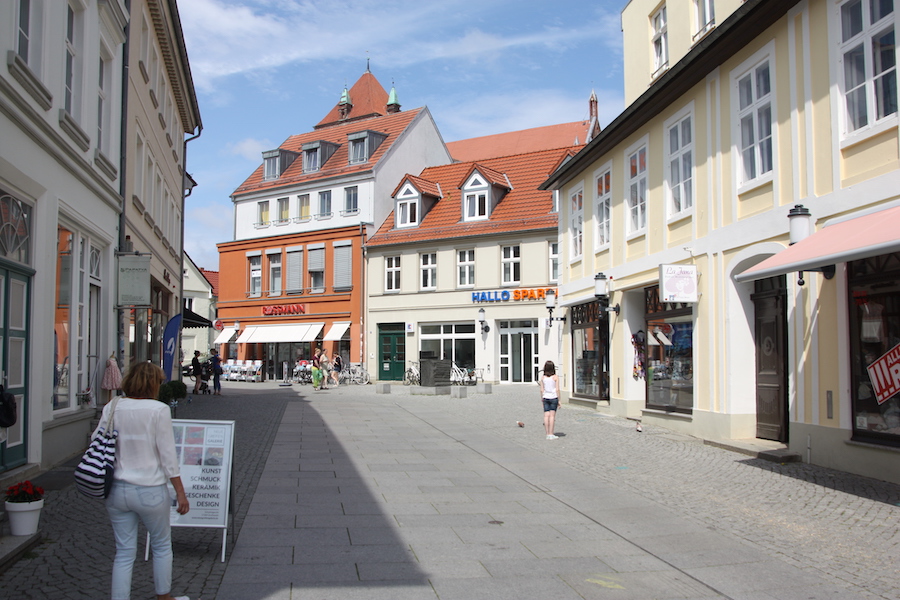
pixel 524 208
pixel 368 99
pixel 339 163
pixel 425 187
pixel 493 177
pixel 564 135
pixel 213 278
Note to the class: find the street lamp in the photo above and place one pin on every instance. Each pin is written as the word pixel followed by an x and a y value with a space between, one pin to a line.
pixel 485 328
pixel 601 292
pixel 550 296
pixel 800 227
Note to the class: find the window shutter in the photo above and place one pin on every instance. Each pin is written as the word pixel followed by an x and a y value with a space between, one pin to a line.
pixel 343 267
pixel 317 259
pixel 295 272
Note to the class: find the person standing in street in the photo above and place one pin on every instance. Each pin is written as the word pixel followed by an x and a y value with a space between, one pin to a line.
pixel 217 372
pixel 549 385
pixel 145 461
pixel 317 369
pixel 195 370
pixel 325 365
pixel 337 365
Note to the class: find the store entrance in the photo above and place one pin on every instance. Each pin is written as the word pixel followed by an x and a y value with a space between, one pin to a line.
pixel 392 351
pixel 769 299
pixel 519 351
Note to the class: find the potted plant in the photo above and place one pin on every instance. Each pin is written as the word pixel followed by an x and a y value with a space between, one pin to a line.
pixel 24 502
pixel 172 390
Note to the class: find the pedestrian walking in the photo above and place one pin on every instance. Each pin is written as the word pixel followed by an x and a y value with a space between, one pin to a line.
pixel 337 365
pixel 195 369
pixel 325 365
pixel 317 369
pixel 145 461
pixel 217 372
pixel 549 385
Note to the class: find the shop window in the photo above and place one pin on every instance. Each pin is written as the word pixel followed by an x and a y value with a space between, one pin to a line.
pixel 669 354
pixel 590 351
pixel 874 288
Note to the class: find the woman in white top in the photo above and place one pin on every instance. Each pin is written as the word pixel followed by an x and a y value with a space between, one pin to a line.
pixel 145 462
pixel 549 385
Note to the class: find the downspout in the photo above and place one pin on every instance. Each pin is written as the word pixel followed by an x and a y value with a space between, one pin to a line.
pixel 123 164
pixel 184 196
pixel 363 297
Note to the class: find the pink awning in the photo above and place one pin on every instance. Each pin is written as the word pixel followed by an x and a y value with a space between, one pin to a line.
pixel 853 239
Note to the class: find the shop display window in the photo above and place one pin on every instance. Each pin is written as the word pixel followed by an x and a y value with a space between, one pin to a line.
pixel 874 287
pixel 669 360
pixel 590 351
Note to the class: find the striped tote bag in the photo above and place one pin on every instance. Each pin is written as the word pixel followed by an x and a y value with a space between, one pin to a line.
pixel 94 474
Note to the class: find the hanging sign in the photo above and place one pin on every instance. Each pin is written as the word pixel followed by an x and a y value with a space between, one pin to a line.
pixel 133 280
pixel 678 283
pixel 884 374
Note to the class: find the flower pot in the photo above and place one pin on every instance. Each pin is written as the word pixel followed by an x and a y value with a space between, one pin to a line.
pixel 24 516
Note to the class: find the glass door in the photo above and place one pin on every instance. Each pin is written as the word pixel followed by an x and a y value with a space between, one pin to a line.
pixel 518 351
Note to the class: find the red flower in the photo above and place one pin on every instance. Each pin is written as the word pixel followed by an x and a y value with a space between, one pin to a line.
pixel 24 492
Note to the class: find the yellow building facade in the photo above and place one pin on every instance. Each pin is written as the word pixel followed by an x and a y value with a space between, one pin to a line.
pixel 683 204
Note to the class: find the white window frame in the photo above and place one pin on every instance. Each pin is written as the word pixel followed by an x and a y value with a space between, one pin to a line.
pixel 407 214
pixel 637 177
pixel 311 160
pixel 704 18
pixel 659 27
pixel 270 168
pixel 72 65
pixel 511 264
pixel 275 273
pixel 553 261
pixel 358 152
pixel 351 200
pixel 392 274
pixel 465 268
pixel 576 223
pixel 752 111
pixel 324 211
pixel 603 206
pixel 262 214
pixel 428 271
pixel 304 211
pixel 254 289
pixel 868 86
pixel 475 207
pixel 283 211
pixel 680 186
pixel 104 101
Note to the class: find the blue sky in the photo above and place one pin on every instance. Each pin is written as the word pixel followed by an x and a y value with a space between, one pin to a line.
pixel 268 69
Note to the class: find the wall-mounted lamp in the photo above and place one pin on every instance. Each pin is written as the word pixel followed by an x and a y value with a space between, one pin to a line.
pixel 485 328
pixel 601 292
pixel 550 296
pixel 800 224
pixel 189 184
pixel 237 325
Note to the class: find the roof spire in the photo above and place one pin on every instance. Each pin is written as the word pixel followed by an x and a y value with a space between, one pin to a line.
pixel 393 104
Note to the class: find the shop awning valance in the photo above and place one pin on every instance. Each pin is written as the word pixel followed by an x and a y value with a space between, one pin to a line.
pixel 298 332
pixel 225 336
pixel 337 330
pixel 191 319
pixel 853 239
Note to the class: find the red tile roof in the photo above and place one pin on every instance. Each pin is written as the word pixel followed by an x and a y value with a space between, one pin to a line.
pixel 428 188
pixel 339 162
pixel 213 278
pixel 524 208
pixel 368 99
pixel 564 135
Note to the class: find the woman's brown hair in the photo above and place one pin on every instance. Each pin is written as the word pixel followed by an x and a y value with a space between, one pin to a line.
pixel 143 380
pixel 549 368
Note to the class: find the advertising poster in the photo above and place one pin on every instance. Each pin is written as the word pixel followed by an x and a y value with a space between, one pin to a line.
pixel 204 451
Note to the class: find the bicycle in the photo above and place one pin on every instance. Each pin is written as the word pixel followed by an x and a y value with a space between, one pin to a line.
pixel 461 376
pixel 412 377
pixel 353 374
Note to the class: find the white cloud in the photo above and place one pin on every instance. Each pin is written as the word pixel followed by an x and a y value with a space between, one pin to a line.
pixel 250 149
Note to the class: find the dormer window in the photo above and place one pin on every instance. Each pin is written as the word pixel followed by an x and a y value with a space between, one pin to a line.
pixel 363 145
pixel 475 199
pixel 276 162
pixel 316 154
pixel 408 212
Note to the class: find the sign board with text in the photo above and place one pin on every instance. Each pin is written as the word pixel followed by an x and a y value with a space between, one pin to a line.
pixel 884 374
pixel 205 451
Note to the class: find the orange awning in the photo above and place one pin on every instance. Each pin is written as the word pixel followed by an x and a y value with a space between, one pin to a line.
pixel 854 239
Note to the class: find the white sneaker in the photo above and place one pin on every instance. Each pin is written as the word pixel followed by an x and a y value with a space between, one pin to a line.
pixel 552 437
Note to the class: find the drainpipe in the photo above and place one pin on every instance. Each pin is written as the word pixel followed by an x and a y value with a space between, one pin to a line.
pixel 184 196
pixel 363 298
pixel 123 174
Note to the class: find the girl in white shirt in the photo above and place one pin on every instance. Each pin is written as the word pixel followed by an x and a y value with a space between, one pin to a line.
pixel 145 462
pixel 549 385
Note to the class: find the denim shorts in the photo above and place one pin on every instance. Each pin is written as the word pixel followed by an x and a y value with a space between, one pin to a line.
pixel 551 404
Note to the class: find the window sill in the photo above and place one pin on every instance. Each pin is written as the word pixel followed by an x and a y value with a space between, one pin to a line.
pixel 144 74
pixel 866 133
pixel 704 31
pixel 281 222
pixel 349 213
pixel 261 225
pixel 634 235
pixel 105 165
pixel 755 184
pixel 659 72
pixel 659 412
pixel 20 70
pixel 68 124
pixel 302 219
pixel 324 216
pixel 684 215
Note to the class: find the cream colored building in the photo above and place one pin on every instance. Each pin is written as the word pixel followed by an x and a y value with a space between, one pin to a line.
pixel 767 105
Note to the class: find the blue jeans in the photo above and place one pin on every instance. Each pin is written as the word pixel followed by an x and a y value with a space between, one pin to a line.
pixel 151 504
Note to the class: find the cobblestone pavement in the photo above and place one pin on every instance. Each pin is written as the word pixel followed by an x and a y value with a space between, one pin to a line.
pixel 74 559
pixel 843 527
